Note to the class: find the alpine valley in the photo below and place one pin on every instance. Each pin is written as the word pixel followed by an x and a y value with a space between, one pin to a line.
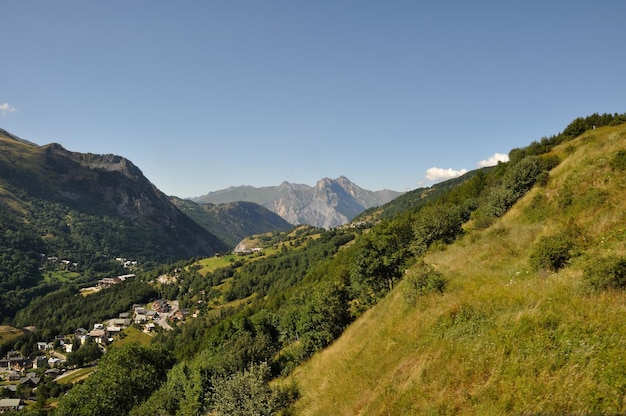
pixel 500 292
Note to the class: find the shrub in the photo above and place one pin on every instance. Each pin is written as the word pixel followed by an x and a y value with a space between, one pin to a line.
pixel 542 178
pixel 618 162
pixel 606 273
pixel 553 252
pixel 422 279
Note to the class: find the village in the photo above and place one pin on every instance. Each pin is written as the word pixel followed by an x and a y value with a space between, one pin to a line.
pixel 20 375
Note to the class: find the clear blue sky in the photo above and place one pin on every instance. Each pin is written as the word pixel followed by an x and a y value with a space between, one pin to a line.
pixel 202 95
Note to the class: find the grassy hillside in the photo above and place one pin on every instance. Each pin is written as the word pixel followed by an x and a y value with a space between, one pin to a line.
pixel 525 323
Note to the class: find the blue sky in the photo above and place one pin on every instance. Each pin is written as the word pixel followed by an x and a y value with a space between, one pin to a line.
pixel 202 95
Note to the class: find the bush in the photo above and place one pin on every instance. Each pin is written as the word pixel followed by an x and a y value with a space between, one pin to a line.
pixel 421 280
pixel 552 253
pixel 618 162
pixel 606 273
pixel 248 393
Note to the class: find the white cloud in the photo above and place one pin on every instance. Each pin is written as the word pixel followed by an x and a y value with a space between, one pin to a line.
pixel 6 108
pixel 435 174
pixel 493 160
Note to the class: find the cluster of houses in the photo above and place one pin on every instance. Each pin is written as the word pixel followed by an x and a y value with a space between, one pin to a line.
pixel 15 365
pixel 161 310
pixel 55 261
pixel 248 251
pixel 110 281
pixel 17 370
pixel 104 334
pixel 125 262
pixel 18 374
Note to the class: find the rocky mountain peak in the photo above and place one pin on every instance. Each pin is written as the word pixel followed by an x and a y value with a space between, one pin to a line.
pixel 330 203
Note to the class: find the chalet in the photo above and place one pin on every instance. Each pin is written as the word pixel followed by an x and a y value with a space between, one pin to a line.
pixel 108 281
pixel 118 323
pixel 161 305
pixel 42 346
pixel 52 372
pixel 124 315
pixel 53 361
pixel 140 318
pixel 179 314
pixel 11 389
pixel 100 336
pixel 30 381
pixel 125 277
pixel 10 405
pixel 13 376
pixel 16 363
pixel 80 332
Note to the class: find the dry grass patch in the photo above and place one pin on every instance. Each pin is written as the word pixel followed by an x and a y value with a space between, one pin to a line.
pixel 8 333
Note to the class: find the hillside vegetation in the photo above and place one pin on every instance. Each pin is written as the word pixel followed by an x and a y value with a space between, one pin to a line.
pixel 530 320
pixel 500 292
pixel 63 211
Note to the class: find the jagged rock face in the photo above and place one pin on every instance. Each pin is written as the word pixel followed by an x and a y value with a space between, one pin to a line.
pixel 110 180
pixel 330 203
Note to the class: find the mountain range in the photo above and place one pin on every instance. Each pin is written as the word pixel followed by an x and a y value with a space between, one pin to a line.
pixel 330 203
pixel 89 209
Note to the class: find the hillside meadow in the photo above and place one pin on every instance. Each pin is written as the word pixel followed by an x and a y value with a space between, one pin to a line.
pixel 525 324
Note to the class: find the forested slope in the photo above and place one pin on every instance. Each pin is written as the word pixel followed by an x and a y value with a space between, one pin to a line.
pixel 66 214
pixel 522 315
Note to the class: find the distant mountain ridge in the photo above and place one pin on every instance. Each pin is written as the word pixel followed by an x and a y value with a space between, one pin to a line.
pixel 233 221
pixel 85 210
pixel 96 186
pixel 330 203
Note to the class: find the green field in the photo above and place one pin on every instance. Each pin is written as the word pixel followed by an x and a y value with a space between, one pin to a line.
pixel 60 275
pixel 132 334
pixel 210 264
pixel 76 375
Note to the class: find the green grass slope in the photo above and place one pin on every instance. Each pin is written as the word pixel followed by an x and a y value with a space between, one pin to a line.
pixel 511 334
